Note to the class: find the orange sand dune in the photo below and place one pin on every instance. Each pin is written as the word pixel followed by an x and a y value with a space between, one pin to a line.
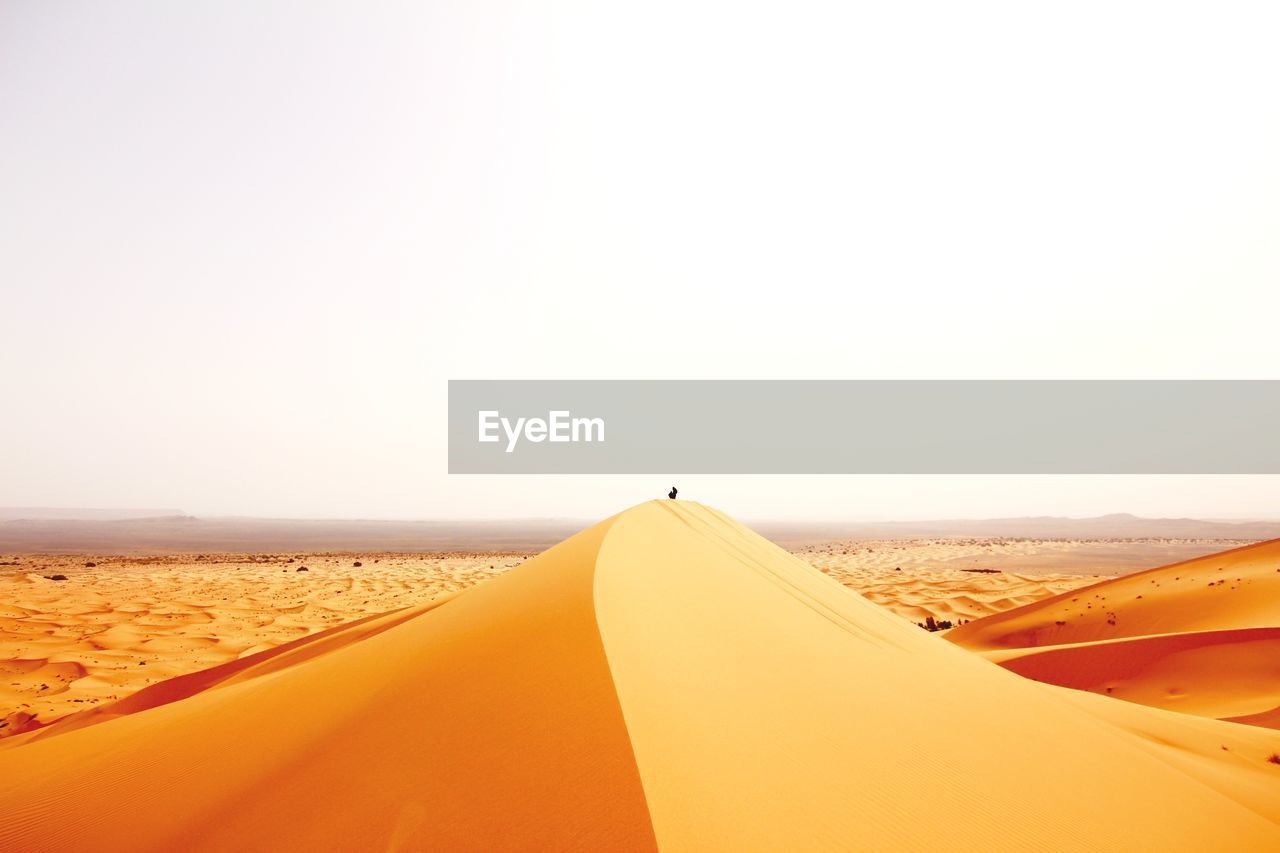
pixel 1222 674
pixel 1201 637
pixel 1233 589
pixel 664 679
pixel 118 624
pixel 1223 755
pixel 951 594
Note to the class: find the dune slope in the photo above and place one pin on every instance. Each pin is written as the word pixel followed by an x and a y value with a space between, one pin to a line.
pixel 1221 674
pixel 1232 589
pixel 489 722
pixel 666 678
pixel 1201 637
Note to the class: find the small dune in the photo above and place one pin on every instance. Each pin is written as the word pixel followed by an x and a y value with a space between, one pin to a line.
pixel 1201 637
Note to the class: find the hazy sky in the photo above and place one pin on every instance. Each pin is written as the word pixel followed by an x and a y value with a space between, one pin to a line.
pixel 243 245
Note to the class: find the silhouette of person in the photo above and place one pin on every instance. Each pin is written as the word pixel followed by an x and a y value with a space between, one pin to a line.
pixel 672 494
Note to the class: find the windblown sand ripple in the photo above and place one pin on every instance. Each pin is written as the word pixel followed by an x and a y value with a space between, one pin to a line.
pixel 1201 636
pixel 122 624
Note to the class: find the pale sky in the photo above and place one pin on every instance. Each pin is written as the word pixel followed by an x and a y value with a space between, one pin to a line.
pixel 243 245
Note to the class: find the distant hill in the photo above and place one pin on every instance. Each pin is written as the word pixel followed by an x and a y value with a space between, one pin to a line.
pixel 167 531
pixel 186 534
pixel 1116 526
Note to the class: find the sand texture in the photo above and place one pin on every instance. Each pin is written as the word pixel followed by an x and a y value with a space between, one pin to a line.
pixel 1201 636
pixel 665 679
pixel 123 623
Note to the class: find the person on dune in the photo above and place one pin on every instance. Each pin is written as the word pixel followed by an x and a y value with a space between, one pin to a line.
pixel 672 494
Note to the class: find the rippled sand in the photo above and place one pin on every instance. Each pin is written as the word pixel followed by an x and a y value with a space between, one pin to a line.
pixel 121 624
pixel 124 623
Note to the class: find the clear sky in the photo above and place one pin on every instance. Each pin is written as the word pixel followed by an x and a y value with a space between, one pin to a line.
pixel 243 245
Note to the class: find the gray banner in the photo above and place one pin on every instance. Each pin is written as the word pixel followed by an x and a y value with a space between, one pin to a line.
pixel 863 427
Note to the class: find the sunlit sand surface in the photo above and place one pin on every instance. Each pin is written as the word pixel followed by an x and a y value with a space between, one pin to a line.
pixel 124 623
pixel 1201 636
pixel 666 679
pixel 916 582
pixel 128 622
pixel 962 578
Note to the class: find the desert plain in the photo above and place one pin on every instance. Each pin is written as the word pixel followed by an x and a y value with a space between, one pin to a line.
pixel 665 679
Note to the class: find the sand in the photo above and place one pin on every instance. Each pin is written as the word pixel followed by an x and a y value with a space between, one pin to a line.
pixel 952 594
pixel 1031 557
pixel 965 578
pixel 124 623
pixel 666 679
pixel 1200 636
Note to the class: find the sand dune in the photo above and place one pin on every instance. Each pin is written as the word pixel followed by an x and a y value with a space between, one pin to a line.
pixel 1201 636
pixel 952 594
pixel 966 579
pixel 1232 589
pixel 1031 557
pixel 664 679
pixel 1221 674
pixel 1223 755
pixel 1116 526
pixel 119 624
pixel 126 623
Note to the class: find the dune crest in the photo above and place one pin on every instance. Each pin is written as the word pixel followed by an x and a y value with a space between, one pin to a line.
pixel 666 678
pixel 1200 636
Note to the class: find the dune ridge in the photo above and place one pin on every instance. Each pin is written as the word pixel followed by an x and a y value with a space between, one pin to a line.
pixel 1201 636
pixel 665 679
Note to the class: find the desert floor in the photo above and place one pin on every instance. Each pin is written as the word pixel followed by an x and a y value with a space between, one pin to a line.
pixel 964 578
pixel 117 624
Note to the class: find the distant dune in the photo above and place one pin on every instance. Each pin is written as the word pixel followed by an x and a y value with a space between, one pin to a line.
pixel 1117 526
pixel 666 679
pixel 1201 636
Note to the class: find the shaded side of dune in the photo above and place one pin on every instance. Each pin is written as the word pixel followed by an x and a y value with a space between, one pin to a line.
pixel 490 722
pixel 1222 674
